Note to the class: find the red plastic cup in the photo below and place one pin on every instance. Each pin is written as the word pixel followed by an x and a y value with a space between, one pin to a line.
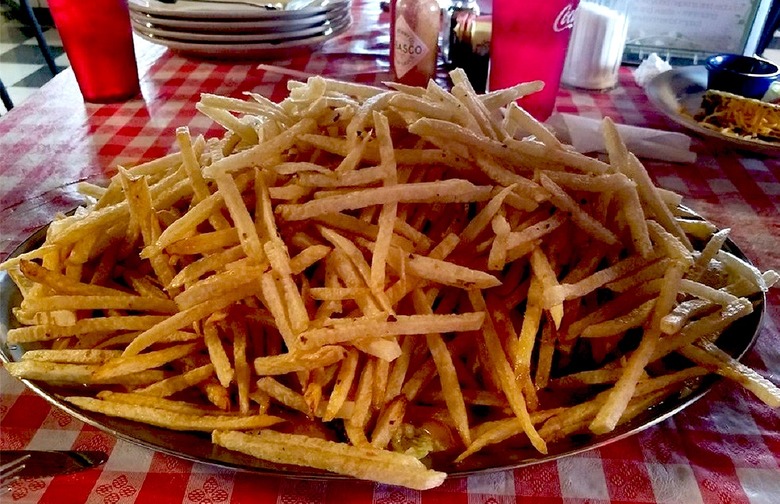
pixel 528 43
pixel 98 39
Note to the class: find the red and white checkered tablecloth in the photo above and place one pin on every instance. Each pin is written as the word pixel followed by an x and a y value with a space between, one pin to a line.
pixel 723 449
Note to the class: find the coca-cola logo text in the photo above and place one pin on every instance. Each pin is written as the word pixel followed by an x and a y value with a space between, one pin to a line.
pixel 565 19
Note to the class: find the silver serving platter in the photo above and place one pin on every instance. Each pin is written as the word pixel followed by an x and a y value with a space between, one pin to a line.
pixel 677 94
pixel 197 447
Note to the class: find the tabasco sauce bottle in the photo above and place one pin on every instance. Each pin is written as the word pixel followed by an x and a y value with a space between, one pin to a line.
pixel 414 40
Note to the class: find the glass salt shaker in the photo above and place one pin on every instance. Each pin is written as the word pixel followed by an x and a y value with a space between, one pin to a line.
pixel 597 43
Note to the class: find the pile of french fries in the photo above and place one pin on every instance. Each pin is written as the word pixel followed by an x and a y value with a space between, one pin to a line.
pixel 362 280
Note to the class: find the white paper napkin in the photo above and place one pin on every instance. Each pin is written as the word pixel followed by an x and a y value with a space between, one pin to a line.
pixel 585 135
pixel 649 68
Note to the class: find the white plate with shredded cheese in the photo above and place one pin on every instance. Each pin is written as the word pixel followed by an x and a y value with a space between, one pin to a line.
pixel 677 94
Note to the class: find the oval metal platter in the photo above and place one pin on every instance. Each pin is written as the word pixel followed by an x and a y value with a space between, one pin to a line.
pixel 197 447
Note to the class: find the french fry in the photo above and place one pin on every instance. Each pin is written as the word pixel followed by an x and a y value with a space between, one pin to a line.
pixel 550 296
pixel 448 273
pixel 63 285
pixel 451 191
pixel 706 354
pixel 247 232
pixel 174 384
pixel 72 356
pixel 400 368
pixel 356 424
pixel 77 374
pixel 46 332
pixel 403 324
pixel 344 379
pixel 387 216
pixel 174 420
pixel 388 422
pixel 500 430
pixel 682 313
pixel 205 243
pixel 298 361
pixel 379 382
pixel 283 394
pixel 142 211
pixel 217 354
pixel 635 318
pixel 123 365
pixel 361 462
pixel 241 364
pixel 130 303
pixel 709 325
pixel 157 403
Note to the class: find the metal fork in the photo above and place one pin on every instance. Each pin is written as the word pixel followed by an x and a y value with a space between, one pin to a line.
pixel 9 472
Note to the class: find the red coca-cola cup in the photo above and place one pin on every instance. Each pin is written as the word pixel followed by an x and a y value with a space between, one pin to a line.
pixel 98 39
pixel 528 43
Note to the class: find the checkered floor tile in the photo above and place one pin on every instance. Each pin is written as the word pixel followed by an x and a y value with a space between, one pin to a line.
pixel 22 67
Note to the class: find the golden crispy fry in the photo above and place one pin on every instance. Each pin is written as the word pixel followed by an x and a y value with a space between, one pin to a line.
pixel 344 379
pixel 174 420
pixel 47 332
pixel 142 211
pixel 157 402
pixel 123 365
pixel 635 318
pixel 283 394
pixel 388 422
pixel 708 326
pixel 707 355
pixel 173 384
pixel 75 374
pixel 448 273
pixel 403 324
pixel 298 361
pixel 205 243
pixel 451 191
pixel 598 279
pixel 217 354
pixel 61 284
pixel 361 462
pixel 72 356
pixel 550 296
pixel 356 424
pixel 500 430
pixel 131 303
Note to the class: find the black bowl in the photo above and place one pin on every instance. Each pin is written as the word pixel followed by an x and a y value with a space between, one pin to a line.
pixel 747 76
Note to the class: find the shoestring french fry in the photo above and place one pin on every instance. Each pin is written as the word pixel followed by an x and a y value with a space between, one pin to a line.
pixel 382 283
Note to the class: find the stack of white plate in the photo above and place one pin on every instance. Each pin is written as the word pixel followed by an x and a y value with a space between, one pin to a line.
pixel 240 28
